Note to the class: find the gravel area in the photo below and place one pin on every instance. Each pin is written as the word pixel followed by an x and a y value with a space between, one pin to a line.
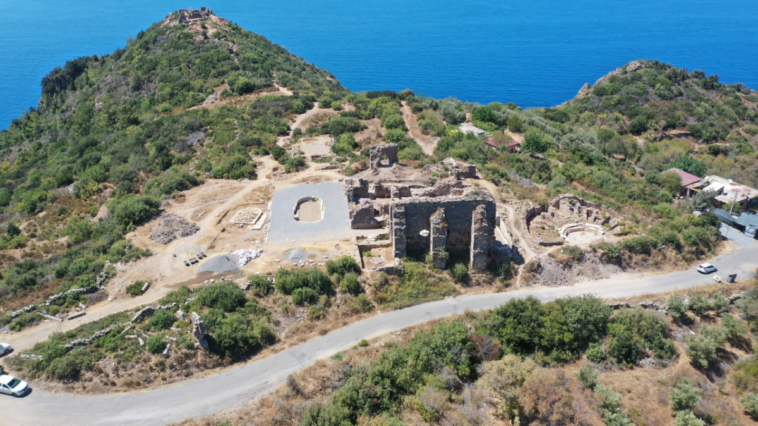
pixel 220 264
pixel 283 224
pixel 295 255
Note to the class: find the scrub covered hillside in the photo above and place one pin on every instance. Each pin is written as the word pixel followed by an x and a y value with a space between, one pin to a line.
pixel 115 129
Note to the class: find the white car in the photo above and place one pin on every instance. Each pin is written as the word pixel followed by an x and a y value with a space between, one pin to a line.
pixel 13 386
pixel 5 348
pixel 706 268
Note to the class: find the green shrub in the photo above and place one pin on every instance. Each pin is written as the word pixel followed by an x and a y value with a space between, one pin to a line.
pixel 609 400
pixel 287 281
pixel 178 296
pixel 362 304
pixel 595 353
pixel 719 302
pixel 351 285
pixel 156 344
pixel 304 296
pixel 734 329
pixel 135 289
pixel 750 403
pixel 576 253
pixel 699 304
pixel 687 418
pixel 226 296
pixel 134 210
pixel 685 396
pixel 676 307
pixel 459 272
pixel 162 320
pixel 261 283
pixel 363 343
pixel 587 376
pixel 701 350
pixel 69 366
pixel 316 312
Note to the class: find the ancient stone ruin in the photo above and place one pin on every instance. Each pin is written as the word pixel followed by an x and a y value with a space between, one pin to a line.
pixel 377 153
pixel 444 227
pixel 188 15
pixel 554 223
pixel 428 211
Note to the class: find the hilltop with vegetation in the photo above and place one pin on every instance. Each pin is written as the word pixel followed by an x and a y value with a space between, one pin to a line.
pixel 117 138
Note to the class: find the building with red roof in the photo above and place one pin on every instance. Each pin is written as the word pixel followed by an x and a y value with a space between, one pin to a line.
pixel 688 180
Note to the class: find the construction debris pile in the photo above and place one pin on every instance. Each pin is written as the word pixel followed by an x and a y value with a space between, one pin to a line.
pixel 247 255
pixel 170 227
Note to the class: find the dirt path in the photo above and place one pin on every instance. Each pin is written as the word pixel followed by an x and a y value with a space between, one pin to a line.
pixel 425 141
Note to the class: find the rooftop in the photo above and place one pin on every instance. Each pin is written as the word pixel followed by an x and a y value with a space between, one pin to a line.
pixel 687 178
pixel 470 128
pixel 728 190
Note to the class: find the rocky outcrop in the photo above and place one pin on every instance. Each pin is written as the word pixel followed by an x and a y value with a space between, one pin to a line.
pixel 146 312
pixel 86 290
pixel 198 330
pixel 85 342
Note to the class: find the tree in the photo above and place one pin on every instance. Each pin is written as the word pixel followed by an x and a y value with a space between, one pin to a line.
pixel 485 113
pixel 450 112
pixel 699 304
pixel 671 181
pixel 703 200
pixel 685 396
pixel 134 209
pixel 638 126
pixel 518 324
pixel 676 307
pixel 12 229
pixel 587 317
pixel 690 165
pixel 534 142
pixel 515 123
pixel 701 350
pixel 624 347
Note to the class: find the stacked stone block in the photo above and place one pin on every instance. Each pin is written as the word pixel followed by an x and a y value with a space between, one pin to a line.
pixel 438 236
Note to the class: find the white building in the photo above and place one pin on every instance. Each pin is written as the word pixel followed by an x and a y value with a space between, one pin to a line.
pixel 470 128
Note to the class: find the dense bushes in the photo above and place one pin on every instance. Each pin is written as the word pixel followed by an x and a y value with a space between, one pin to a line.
pixel 134 210
pixel 400 372
pixel 226 296
pixel 287 281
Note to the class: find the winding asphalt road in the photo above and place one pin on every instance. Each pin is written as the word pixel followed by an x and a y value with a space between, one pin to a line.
pixel 234 387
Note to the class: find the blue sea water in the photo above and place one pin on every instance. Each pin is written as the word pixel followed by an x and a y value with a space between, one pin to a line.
pixel 530 52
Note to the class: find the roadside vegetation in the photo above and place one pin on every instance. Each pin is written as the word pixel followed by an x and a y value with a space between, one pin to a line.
pixel 581 364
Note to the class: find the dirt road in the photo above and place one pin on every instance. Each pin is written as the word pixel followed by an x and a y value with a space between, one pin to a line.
pixel 239 385
pixel 425 141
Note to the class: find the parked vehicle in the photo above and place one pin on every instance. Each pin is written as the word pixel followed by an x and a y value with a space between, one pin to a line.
pixel 706 268
pixel 751 229
pixel 10 385
pixel 5 348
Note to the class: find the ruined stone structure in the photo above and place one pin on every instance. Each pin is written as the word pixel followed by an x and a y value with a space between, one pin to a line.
pixel 446 226
pixel 377 152
pixel 187 15
pixel 550 225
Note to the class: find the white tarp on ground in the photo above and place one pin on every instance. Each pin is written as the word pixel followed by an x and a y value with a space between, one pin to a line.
pixel 245 256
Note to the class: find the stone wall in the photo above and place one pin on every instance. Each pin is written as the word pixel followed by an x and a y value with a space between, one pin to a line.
pixel 362 216
pixel 376 152
pixel 470 224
